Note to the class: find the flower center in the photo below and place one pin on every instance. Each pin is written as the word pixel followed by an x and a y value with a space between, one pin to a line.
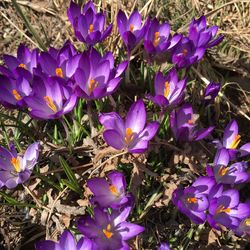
pixel 223 170
pixel 235 142
pixel 17 96
pixel 50 103
pixel 92 85
pixel 59 72
pixel 222 209
pixel 91 28
pixel 190 122
pixel 192 200
pixel 247 221
pixel 156 38
pixel 22 65
pixel 131 27
pixel 16 164
pixel 167 89
pixel 113 190
pixel 184 52
pixel 129 135
pixel 107 232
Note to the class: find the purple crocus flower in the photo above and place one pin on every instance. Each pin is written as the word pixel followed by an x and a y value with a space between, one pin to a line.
pixel 26 59
pixel 210 92
pixel 169 91
pixel 131 29
pixel 183 125
pixel 186 53
pixel 96 76
pixel 109 231
pixel 192 201
pixel 226 209
pixel 158 39
pixel 164 246
pixel 50 99
pixel 88 24
pixel 13 91
pixel 228 174
pixel 111 193
pixel 66 242
pixel 131 133
pixel 15 169
pixel 203 36
pixel 231 140
pixel 61 63
pixel 244 227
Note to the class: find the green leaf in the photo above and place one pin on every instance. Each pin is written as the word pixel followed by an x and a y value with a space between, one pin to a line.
pixel 72 183
pixel 71 186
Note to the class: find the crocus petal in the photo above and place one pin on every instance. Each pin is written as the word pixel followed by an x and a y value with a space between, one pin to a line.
pixel 129 230
pixel 139 147
pixel 245 150
pixel 231 131
pixel 203 133
pixel 48 245
pixel 67 241
pixel 149 132
pixel 113 139
pixel 222 157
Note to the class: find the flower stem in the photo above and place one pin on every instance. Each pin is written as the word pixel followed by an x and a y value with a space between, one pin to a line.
pixel 91 122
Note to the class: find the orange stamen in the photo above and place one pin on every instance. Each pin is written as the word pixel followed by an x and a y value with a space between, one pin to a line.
pixel 235 142
pixel 129 135
pixel 223 170
pixel 222 209
pixel 16 164
pixel 156 38
pixel 131 27
pixel 107 232
pixel 113 190
pixel 184 52
pixel 190 122
pixel 167 89
pixel 92 85
pixel 192 200
pixel 91 28
pixel 17 96
pixel 59 72
pixel 22 65
pixel 50 103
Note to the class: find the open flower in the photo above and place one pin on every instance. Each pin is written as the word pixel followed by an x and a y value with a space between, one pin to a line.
pixel 50 99
pixel 158 39
pixel 224 172
pixel 13 91
pixel 130 134
pixel 231 140
pixel 110 193
pixel 227 210
pixel 96 76
pixel 211 91
pixel 244 227
pixel 169 91
pixel 193 201
pixel 88 24
pixel 131 29
pixel 109 231
pixel 61 63
pixel 186 53
pixel 184 127
pixel 15 169
pixel 203 36
pixel 25 59
pixel 66 242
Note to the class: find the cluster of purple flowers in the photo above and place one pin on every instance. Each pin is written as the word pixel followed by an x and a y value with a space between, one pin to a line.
pixel 214 198
pixel 108 228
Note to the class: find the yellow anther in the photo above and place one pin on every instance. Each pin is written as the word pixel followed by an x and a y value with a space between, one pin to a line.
pixel 17 96
pixel 91 28
pixel 129 135
pixel 167 89
pixel 223 170
pixel 192 200
pixel 156 38
pixel 107 232
pixel 22 65
pixel 235 142
pixel 222 209
pixel 184 52
pixel 50 103
pixel 113 190
pixel 16 164
pixel 247 221
pixel 92 85
pixel 59 72
pixel 131 27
